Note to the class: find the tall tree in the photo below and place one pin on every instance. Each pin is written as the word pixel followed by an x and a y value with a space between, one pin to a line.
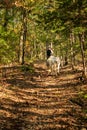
pixel 23 36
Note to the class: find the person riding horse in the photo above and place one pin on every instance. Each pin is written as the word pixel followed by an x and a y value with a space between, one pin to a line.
pixel 53 63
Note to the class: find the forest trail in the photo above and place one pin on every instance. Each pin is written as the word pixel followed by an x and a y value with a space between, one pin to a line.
pixel 42 102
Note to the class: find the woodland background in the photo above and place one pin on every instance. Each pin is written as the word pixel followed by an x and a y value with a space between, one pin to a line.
pixel 28 26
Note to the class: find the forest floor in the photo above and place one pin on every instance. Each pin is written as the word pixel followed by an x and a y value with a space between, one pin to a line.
pixel 40 101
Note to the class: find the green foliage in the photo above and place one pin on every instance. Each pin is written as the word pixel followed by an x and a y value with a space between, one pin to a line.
pixel 28 68
pixel 8 38
pixel 83 94
pixel 45 20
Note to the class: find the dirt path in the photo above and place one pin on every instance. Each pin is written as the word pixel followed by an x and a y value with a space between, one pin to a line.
pixel 42 102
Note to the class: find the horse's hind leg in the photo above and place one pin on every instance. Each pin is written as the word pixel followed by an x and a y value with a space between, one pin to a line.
pixel 48 70
pixel 58 68
pixel 54 70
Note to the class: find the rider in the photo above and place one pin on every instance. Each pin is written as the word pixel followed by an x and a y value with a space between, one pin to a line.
pixel 49 52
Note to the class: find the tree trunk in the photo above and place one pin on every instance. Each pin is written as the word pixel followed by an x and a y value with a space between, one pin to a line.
pixel 23 38
pixel 81 38
pixel 21 54
pixel 72 50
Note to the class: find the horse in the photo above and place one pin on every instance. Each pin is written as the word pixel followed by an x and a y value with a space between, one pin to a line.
pixel 53 64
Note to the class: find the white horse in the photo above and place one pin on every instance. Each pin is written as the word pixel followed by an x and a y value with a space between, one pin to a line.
pixel 53 64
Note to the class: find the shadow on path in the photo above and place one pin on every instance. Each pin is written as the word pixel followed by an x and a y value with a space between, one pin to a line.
pixel 41 102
